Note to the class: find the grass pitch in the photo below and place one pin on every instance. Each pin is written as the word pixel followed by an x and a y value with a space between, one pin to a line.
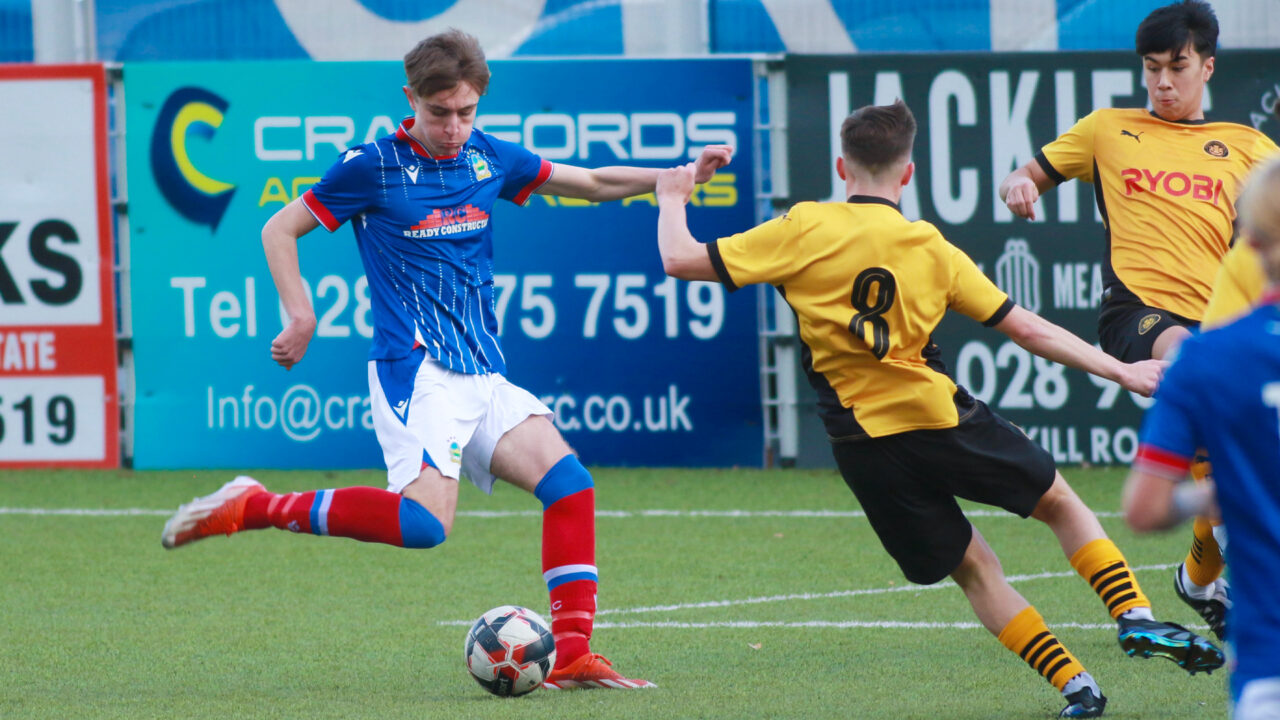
pixel 741 593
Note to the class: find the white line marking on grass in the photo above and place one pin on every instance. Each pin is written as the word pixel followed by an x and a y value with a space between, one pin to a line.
pixel 839 624
pixel 489 514
pixel 1013 579
pixel 83 512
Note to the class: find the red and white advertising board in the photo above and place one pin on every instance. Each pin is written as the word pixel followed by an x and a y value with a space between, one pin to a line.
pixel 58 396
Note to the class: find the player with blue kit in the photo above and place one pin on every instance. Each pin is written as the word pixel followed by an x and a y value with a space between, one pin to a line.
pixel 1236 415
pixel 420 202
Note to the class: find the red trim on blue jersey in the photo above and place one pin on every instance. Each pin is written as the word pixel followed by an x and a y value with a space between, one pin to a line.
pixel 544 174
pixel 321 213
pixel 1161 461
pixel 402 133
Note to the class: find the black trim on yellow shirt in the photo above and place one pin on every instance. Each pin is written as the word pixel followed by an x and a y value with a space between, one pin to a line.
pixel 1201 121
pixel 865 199
pixel 717 264
pixel 1048 168
pixel 1001 312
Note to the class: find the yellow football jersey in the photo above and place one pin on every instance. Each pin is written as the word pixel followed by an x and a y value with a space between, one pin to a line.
pixel 1166 191
pixel 1239 284
pixel 868 288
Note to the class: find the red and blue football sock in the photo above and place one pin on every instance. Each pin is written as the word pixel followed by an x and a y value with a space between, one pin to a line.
pixel 569 555
pixel 361 513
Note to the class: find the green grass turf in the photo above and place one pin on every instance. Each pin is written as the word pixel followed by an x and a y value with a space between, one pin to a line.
pixel 98 621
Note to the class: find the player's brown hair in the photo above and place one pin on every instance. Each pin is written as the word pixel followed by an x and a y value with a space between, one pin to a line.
pixel 1172 27
pixel 877 137
pixel 1259 208
pixel 442 61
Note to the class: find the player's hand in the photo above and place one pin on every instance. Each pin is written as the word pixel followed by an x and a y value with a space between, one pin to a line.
pixel 1022 197
pixel 290 345
pixel 676 184
pixel 1144 377
pixel 713 158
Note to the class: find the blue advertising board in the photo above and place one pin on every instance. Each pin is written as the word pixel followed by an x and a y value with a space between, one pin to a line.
pixel 639 369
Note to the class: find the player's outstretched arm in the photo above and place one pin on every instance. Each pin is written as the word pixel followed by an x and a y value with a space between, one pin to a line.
pixel 620 181
pixel 280 242
pixel 1153 501
pixel 682 255
pixel 1059 345
pixel 1023 187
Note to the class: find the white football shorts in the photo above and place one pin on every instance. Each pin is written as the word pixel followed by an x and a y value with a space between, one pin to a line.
pixel 1259 700
pixel 425 412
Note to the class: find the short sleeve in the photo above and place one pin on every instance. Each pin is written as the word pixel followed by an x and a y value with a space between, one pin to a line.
pixel 764 254
pixel 1168 440
pixel 347 189
pixel 522 171
pixel 1071 155
pixel 972 293
pixel 1264 149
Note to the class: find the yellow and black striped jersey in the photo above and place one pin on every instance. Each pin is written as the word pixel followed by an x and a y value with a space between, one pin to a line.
pixel 1166 191
pixel 868 288
pixel 1238 286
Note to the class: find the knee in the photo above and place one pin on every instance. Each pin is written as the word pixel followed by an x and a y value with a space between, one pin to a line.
pixel 979 565
pixel 1058 502
pixel 419 528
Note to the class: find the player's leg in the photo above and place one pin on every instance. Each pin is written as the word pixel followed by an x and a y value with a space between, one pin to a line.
pixel 517 442
pixel 1131 331
pixel 1017 625
pixel 1198 580
pixel 1097 559
pixel 401 392
pixel 902 484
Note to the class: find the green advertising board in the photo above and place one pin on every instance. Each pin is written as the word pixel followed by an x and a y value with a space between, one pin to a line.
pixel 981 116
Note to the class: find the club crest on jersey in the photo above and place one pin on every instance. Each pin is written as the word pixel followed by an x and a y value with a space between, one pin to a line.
pixel 1217 148
pixel 455 451
pixel 480 167
pixel 1147 323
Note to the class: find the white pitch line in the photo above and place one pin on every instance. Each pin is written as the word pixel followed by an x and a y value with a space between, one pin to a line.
pixel 838 624
pixel 1013 579
pixel 84 512
pixel 489 514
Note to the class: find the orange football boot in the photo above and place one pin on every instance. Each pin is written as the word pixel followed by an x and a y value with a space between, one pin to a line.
pixel 592 671
pixel 221 513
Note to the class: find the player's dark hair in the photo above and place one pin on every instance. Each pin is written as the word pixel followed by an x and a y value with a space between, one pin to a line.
pixel 1172 27
pixel 876 137
pixel 442 61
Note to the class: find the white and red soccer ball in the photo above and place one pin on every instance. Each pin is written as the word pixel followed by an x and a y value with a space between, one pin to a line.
pixel 510 650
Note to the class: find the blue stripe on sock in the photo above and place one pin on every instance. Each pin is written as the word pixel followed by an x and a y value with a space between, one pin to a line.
pixel 418 527
pixel 563 479
pixel 315 511
pixel 570 578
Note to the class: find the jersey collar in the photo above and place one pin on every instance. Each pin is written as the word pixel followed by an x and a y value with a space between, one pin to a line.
pixel 1201 121
pixel 876 199
pixel 402 134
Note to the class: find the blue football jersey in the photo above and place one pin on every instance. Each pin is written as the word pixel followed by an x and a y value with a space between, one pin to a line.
pixel 1223 393
pixel 424 230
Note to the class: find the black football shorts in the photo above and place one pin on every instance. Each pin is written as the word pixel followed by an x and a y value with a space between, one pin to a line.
pixel 908 484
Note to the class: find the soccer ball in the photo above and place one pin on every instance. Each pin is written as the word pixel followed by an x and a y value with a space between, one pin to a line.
pixel 510 650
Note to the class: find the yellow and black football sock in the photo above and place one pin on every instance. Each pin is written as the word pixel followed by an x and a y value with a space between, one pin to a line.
pixel 1204 562
pixel 1028 636
pixel 1101 563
